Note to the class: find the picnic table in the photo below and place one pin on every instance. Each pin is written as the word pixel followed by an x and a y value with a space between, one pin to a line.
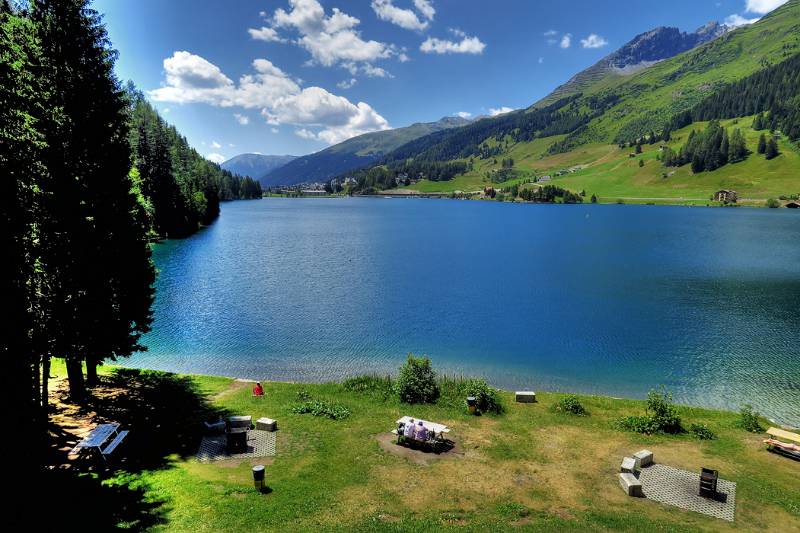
pixel 437 429
pixel 95 441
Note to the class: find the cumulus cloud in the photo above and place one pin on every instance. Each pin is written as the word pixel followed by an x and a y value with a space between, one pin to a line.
pixel 346 84
pixel 405 18
pixel 763 7
pixel 464 114
pixel 738 20
pixel 593 41
pixel 330 39
pixel 265 33
pixel 499 110
pixel 566 41
pixel 244 120
pixel 328 117
pixel 467 45
pixel 216 158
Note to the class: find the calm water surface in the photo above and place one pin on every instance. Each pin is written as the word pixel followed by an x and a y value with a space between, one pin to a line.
pixel 598 299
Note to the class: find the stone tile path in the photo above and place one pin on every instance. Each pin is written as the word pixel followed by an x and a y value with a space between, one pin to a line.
pixel 259 444
pixel 669 485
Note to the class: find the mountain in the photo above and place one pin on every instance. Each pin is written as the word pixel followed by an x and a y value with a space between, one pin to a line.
pixel 573 135
pixel 352 153
pixel 255 165
pixel 639 53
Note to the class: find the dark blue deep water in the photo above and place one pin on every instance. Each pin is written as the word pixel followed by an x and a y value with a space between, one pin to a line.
pixel 598 299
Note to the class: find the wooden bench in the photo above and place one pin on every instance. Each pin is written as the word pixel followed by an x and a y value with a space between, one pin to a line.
pixel 108 450
pixel 783 441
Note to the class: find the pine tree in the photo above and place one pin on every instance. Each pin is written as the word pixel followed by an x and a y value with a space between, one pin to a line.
pixel 762 144
pixel 772 149
pixel 758 122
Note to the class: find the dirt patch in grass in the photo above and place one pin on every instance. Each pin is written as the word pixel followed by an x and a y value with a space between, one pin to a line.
pixel 388 442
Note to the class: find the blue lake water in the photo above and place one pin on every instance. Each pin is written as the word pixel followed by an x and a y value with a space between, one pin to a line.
pixel 598 299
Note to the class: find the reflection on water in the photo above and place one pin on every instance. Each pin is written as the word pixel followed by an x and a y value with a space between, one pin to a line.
pixel 599 299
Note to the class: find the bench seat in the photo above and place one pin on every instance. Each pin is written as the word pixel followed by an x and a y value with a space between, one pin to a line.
pixel 108 450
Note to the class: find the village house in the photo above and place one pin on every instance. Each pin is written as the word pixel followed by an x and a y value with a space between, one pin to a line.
pixel 543 179
pixel 725 196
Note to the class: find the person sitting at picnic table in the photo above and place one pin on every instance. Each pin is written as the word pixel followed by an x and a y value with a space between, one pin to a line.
pixel 258 390
pixel 422 432
pixel 408 431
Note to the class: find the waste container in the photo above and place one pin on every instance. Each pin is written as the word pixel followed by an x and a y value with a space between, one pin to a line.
pixel 472 406
pixel 258 477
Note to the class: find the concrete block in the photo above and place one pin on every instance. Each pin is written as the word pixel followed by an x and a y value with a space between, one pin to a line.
pixel 266 424
pixel 526 396
pixel 630 484
pixel 628 465
pixel 643 458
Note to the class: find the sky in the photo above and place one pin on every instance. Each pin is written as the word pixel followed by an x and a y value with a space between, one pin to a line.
pixel 295 76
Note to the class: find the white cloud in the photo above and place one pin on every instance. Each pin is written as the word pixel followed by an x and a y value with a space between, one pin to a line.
pixel 464 114
pixel 166 110
pixel 191 78
pixel 467 45
pixel 274 130
pixel 763 7
pixel 215 145
pixel 566 41
pixel 593 41
pixel 541 60
pixel 339 118
pixel 330 39
pixel 346 84
pixel 265 33
pixel 403 57
pixel 231 145
pixel 216 158
pixel 550 33
pixel 405 18
pixel 499 111
pixel 738 20
pixel 244 120
pixel 426 8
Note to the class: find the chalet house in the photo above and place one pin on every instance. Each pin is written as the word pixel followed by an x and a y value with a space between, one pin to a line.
pixel 725 196
pixel 544 178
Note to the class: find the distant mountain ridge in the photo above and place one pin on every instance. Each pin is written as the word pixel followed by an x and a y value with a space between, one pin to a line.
pixel 642 51
pixel 353 153
pixel 255 165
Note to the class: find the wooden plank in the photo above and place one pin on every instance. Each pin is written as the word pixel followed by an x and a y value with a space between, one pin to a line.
pixel 782 434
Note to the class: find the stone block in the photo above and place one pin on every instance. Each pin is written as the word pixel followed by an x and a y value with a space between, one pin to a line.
pixel 630 484
pixel 643 458
pixel 628 465
pixel 526 396
pixel 266 424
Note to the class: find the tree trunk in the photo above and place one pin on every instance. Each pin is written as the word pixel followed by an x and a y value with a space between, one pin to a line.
pixel 91 372
pixel 77 386
pixel 45 396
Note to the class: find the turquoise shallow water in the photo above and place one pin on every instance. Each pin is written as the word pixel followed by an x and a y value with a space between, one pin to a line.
pixel 598 299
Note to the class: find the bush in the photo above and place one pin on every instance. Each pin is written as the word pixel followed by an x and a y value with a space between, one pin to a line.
pixel 373 385
pixel 331 410
pixel 487 399
pixel 570 404
pixel 660 417
pixel 772 203
pixel 702 432
pixel 748 419
pixel 416 382
pixel 303 395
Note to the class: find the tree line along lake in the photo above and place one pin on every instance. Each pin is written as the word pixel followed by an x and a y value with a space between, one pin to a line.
pixel 600 299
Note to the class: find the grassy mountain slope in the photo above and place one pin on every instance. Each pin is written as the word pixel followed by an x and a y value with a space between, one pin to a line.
pixel 647 101
pixel 352 153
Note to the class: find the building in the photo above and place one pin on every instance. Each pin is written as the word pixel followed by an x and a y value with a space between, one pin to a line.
pixel 725 196
pixel 543 179
pixel 313 192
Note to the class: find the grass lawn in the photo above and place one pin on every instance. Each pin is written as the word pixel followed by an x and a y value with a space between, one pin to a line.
pixel 530 468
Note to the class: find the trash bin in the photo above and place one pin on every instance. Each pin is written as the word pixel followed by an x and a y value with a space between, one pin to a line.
pixel 258 477
pixel 472 406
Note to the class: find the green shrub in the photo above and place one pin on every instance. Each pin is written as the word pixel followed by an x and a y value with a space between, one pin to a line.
pixel 702 432
pixel 373 385
pixel 416 382
pixel 487 399
pixel 570 404
pixel 331 410
pixel 660 417
pixel 748 419
pixel 772 203
pixel 303 395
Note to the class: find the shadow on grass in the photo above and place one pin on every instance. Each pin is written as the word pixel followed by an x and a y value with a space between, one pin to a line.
pixel 164 414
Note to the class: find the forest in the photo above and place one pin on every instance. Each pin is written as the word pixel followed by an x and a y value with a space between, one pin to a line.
pixel 709 149
pixel 92 175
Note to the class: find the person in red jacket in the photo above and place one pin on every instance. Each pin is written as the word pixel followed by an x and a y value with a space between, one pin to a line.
pixel 258 390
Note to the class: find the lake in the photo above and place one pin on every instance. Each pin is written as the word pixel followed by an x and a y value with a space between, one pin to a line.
pixel 600 299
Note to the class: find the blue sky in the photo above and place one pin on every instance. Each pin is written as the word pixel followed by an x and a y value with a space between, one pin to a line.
pixel 294 76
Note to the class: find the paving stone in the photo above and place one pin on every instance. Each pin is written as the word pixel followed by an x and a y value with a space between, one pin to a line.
pixel 680 488
pixel 259 444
